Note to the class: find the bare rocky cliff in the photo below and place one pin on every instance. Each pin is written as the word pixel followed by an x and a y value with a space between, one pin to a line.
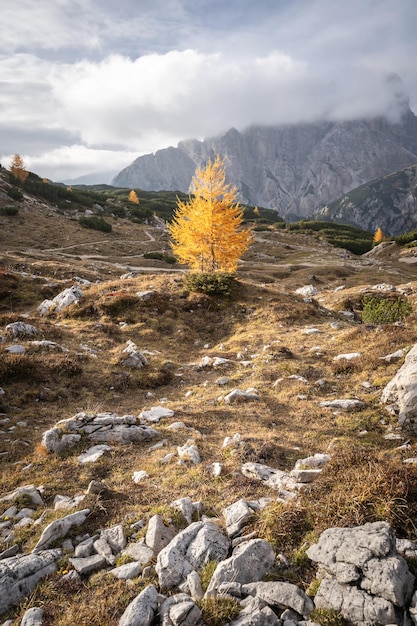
pixel 295 170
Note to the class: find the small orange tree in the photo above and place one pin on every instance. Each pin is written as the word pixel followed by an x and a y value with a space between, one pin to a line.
pixel 133 197
pixel 17 168
pixel 378 236
pixel 206 231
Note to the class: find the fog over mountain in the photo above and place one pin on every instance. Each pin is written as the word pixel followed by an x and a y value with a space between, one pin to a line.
pixel 294 169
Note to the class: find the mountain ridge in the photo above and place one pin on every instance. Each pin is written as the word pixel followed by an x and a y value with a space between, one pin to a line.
pixel 295 170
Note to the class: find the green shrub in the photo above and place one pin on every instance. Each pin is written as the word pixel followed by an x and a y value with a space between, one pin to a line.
pixel 96 223
pixel 260 229
pixel 384 310
pixel 9 210
pixel 160 256
pixel 214 284
pixel 15 193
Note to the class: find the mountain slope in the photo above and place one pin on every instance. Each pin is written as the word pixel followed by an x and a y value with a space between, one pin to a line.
pixel 295 170
pixel 389 202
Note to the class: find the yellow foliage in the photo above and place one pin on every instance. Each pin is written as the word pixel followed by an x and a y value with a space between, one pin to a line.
pixel 133 197
pixel 379 236
pixel 17 168
pixel 206 230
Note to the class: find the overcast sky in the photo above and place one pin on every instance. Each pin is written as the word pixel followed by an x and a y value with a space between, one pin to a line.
pixel 89 85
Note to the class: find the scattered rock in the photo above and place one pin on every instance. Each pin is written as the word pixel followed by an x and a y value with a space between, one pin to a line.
pixel 401 393
pixel 238 395
pixel 19 575
pixel 344 404
pixel 156 413
pixel 93 454
pixel 141 611
pixel 59 528
pixel 20 329
pixel 135 359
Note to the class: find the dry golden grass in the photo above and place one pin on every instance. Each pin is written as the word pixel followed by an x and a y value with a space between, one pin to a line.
pixel 265 324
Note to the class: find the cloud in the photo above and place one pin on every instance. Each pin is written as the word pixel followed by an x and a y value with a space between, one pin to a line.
pixel 181 94
pixel 74 161
pixel 133 77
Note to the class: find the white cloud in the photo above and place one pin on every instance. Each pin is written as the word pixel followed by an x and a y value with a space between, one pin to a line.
pixel 74 161
pixel 139 75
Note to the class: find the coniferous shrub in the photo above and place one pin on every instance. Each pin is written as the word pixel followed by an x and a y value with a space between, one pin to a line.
pixel 160 256
pixel 15 193
pixel 96 223
pixel 213 284
pixel 9 210
pixel 384 310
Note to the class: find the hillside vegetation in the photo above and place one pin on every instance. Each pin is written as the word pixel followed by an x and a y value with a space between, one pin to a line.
pixel 278 343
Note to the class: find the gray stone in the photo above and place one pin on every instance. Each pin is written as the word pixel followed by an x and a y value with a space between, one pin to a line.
pixel 27 490
pixel 115 537
pixel 354 546
pixel 172 567
pixel 210 544
pixel 88 564
pixel 256 613
pixel 180 610
pixel 139 552
pixel 93 454
pixel 185 506
pixel 123 434
pixel 141 611
pixel 103 549
pixel 237 515
pixel 32 617
pixel 189 452
pixel 134 359
pixel 158 535
pixel 19 575
pixel 127 571
pixel 85 548
pixel 282 595
pixel 62 300
pixel 20 329
pixel 194 586
pixel 249 562
pixel 344 404
pixel 317 461
pixel 15 349
pixel 401 393
pixel 238 395
pixel 388 578
pixel 305 475
pixel 156 413
pixel 59 528
pixel 355 605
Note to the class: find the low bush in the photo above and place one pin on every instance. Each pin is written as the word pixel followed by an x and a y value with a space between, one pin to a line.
pixel 219 610
pixel 96 223
pixel 160 256
pixel 384 310
pixel 213 284
pixel 9 210
pixel 15 193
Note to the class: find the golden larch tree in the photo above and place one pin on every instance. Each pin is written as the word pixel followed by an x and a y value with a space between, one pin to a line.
pixel 133 197
pixel 17 168
pixel 206 231
pixel 379 236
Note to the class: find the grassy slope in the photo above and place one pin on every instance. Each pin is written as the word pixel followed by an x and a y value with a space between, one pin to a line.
pixel 264 321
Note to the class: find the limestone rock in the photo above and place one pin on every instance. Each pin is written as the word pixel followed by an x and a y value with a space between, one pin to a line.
pixel 180 610
pixel 93 454
pixel 88 564
pixel 172 567
pixel 59 528
pixel 401 393
pixel 237 515
pixel 127 571
pixel 141 611
pixel 32 617
pixel 344 404
pixel 282 595
pixel 20 329
pixel 158 535
pixel 135 359
pixel 156 413
pixel 355 605
pixel 238 395
pixel 249 562
pixel 19 575
pixel 62 300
